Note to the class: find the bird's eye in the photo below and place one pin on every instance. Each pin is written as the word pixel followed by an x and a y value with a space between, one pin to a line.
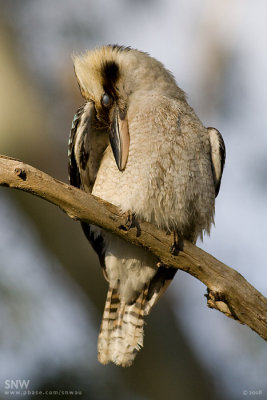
pixel 106 100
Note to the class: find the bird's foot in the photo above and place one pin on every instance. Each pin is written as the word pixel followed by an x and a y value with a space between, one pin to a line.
pixel 131 222
pixel 177 245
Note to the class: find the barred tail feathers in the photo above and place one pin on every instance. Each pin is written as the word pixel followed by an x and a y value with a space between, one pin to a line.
pixel 107 325
pixel 122 329
pixel 121 336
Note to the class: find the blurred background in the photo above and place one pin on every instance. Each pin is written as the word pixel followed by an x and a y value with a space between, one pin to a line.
pixel 52 291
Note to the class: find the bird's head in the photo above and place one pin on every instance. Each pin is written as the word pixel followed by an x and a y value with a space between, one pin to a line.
pixel 115 78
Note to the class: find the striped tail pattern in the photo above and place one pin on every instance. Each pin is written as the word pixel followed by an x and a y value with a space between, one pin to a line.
pixel 122 329
pixel 121 333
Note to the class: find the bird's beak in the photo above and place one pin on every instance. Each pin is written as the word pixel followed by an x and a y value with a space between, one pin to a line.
pixel 119 138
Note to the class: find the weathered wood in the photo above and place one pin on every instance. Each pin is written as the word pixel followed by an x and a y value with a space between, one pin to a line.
pixel 228 291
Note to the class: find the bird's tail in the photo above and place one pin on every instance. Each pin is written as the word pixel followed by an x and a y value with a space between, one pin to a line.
pixel 121 333
pixel 122 329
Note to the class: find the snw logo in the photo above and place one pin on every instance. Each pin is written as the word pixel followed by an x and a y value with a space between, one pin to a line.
pixel 17 383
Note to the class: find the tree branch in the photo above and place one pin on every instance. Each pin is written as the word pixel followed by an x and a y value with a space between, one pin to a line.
pixel 228 291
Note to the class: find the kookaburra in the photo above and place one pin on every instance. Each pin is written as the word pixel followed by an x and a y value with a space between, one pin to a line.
pixel 137 143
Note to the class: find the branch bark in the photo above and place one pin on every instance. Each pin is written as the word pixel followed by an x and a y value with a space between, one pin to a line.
pixel 227 290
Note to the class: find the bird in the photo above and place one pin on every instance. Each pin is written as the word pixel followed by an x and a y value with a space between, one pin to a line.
pixel 138 144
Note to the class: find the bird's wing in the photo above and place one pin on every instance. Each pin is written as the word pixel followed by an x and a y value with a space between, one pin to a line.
pixel 87 144
pixel 158 286
pixel 217 157
pixel 74 176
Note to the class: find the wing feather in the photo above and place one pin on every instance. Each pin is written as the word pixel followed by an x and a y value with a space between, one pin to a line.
pixel 87 144
pixel 217 157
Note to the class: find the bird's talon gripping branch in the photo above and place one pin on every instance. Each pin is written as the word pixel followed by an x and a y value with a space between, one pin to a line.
pixel 129 221
pixel 177 244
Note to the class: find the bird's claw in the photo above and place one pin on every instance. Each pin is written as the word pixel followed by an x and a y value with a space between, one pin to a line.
pixel 129 221
pixel 177 244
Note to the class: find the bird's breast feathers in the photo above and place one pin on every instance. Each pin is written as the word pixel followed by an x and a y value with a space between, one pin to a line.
pixel 168 167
